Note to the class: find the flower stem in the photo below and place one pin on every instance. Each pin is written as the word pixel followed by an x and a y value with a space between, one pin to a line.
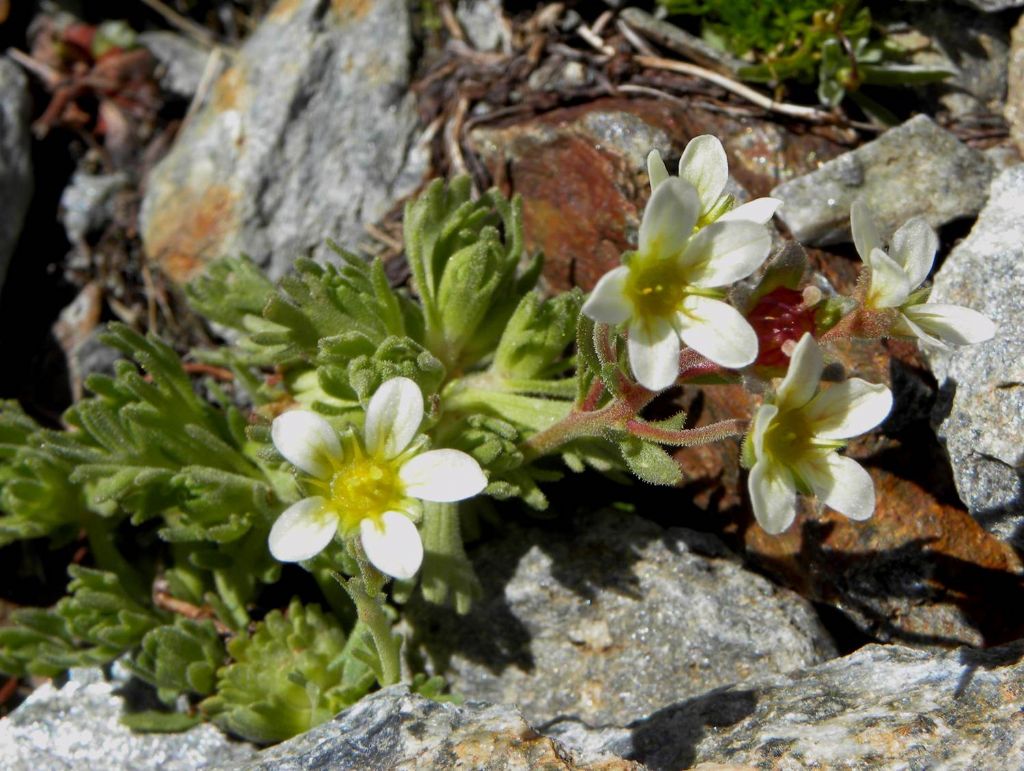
pixel 688 437
pixel 371 612
pixel 587 423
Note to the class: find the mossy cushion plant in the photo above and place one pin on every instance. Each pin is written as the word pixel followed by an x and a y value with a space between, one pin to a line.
pixel 249 542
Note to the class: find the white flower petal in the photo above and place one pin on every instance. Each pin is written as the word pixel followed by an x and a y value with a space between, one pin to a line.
pixel 607 303
pixel 865 234
pixel 393 417
pixel 725 252
pixel 772 496
pixel 302 531
pixel 442 476
pixel 669 218
pixel 904 326
pixel 306 440
pixel 914 246
pixel 654 353
pixel 656 170
pixel 848 409
pixel 705 166
pixel 803 376
pixel 759 210
pixel 890 286
pixel 841 484
pixel 718 331
pixel 951 323
pixel 395 547
pixel 759 425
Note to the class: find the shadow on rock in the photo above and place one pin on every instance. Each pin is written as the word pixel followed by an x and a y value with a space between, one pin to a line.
pixel 916 593
pixel 668 739
pixel 576 561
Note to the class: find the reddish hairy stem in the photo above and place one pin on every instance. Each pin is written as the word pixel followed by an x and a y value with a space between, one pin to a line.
pixel 578 424
pixel 590 401
pixel 688 437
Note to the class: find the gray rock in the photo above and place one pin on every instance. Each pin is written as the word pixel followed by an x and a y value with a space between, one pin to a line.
pixel 78 726
pixel 1014 111
pixel 916 169
pixel 16 182
pixel 974 47
pixel 883 707
pixel 481 19
pixel 611 621
pixel 86 204
pixel 981 419
pixel 396 729
pixel 308 135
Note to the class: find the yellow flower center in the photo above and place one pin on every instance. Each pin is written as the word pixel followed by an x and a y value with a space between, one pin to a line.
pixel 790 438
pixel 364 487
pixel 655 287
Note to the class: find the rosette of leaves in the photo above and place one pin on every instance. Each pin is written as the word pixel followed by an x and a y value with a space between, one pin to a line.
pixel 96 623
pixel 182 657
pixel 296 670
pixel 489 352
pixel 36 495
pixel 833 43
pixel 147 446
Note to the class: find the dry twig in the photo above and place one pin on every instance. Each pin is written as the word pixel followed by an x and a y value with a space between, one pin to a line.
pixel 200 33
pixel 802 112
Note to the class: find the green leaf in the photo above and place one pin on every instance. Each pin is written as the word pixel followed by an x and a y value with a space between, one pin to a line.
pixel 465 258
pixel 534 341
pixel 903 74
pixel 231 291
pixel 446 568
pixel 649 462
pixel 293 672
pixel 37 495
pixel 182 657
pixel 38 643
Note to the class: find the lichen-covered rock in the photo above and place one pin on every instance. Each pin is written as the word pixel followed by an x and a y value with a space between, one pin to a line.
pixel 396 729
pixel 981 418
pixel 921 571
pixel 916 169
pixel 882 707
pixel 1014 110
pixel 308 135
pixel 15 158
pixel 612 620
pixel 78 727
pixel 582 173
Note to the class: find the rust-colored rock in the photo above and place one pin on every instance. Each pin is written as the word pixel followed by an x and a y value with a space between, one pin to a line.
pixel 196 222
pixel 921 570
pixel 308 135
pixel 393 728
pixel 583 179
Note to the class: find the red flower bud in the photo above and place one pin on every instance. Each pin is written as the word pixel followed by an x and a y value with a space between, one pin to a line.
pixel 779 317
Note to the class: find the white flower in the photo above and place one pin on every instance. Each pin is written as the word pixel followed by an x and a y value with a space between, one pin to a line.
pixel 667 289
pixel 371 485
pixel 896 276
pixel 795 438
pixel 705 166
